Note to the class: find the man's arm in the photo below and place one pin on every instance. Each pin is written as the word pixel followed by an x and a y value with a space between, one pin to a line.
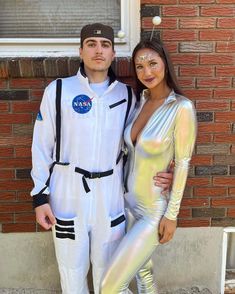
pixel 42 157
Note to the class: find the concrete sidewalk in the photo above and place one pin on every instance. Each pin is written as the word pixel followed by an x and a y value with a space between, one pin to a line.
pixel 193 290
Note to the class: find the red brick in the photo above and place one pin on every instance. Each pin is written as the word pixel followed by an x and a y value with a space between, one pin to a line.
pixel 13 207
pixel 23 151
pixel 198 181
pixel 225 1
pixel 224 138
pixel 4 107
pixel 196 71
pixel 233 105
pixel 194 202
pixel 24 196
pixel 210 191
pixel 225 47
pixel 180 10
pixel 184 59
pixel 226 23
pixel 198 94
pixel 204 138
pixel 232 191
pixel 184 213
pixel 27 83
pixel 231 212
pixel 15 162
pixel 187 82
pixel 36 94
pixel 224 181
pixel 216 35
pixel 225 202
pixel 6 152
pixel 217 10
pixel 224 93
pixel 222 71
pixel 15 118
pixel 214 82
pixel 166 2
pixel 193 223
pixel 3 84
pixel 196 1
pixel 16 185
pixel 15 141
pixel 6 217
pixel 5 130
pixel 216 59
pixel 172 47
pixel 7 174
pixel 202 160
pixel 213 127
pixel 224 116
pixel 25 217
pixel 212 105
pixel 11 228
pixel 197 22
pixel 7 196
pixel 166 23
pixel 179 35
pixel 18 107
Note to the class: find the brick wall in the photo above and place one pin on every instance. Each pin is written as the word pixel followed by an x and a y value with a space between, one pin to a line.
pixel 200 37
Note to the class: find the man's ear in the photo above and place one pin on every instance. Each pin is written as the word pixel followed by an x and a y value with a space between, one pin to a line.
pixel 80 52
pixel 114 55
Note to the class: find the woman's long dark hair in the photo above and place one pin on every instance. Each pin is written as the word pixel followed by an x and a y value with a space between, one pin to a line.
pixel 170 76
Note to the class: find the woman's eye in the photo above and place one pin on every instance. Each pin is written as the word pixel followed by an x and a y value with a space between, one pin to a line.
pixel 139 67
pixel 153 64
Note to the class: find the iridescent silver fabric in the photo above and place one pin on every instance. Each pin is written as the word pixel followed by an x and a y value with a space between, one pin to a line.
pixel 169 134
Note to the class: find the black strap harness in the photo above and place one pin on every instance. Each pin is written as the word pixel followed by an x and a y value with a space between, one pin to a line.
pixel 86 174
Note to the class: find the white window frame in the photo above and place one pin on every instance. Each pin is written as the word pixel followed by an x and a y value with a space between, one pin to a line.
pixel 51 47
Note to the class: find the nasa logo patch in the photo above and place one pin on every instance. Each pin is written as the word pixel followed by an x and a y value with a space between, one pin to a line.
pixel 82 104
pixel 39 116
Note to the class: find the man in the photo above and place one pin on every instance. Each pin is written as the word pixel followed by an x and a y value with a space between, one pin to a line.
pixel 77 159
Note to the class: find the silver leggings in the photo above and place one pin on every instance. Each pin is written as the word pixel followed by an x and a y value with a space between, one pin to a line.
pixel 133 256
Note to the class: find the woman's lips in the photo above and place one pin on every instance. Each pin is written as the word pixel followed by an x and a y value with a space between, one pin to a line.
pixel 149 80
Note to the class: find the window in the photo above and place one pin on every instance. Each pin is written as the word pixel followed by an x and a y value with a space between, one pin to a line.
pixel 52 27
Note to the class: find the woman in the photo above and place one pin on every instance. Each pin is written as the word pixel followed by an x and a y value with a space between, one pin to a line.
pixel 163 128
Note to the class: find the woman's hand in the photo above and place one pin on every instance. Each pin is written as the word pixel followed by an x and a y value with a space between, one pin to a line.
pixel 166 229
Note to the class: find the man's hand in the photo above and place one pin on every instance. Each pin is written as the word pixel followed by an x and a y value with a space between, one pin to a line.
pixel 166 230
pixel 44 216
pixel 164 179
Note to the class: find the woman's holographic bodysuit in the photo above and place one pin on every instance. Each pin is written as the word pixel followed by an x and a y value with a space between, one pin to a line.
pixel 168 135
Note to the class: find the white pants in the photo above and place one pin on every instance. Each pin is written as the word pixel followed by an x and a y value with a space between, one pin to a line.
pixel 89 226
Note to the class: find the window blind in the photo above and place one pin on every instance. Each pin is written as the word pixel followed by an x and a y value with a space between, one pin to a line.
pixel 55 18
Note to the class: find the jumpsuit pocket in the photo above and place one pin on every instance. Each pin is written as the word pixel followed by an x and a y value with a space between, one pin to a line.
pixel 117 227
pixel 65 234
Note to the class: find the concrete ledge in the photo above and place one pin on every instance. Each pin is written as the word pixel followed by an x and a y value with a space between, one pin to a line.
pixel 192 259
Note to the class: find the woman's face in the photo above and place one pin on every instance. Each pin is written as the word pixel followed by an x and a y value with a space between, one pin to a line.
pixel 150 68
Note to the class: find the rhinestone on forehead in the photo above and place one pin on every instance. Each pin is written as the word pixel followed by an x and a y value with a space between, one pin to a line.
pixel 145 57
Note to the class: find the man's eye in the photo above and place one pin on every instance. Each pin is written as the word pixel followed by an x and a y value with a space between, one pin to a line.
pixel 105 45
pixel 91 45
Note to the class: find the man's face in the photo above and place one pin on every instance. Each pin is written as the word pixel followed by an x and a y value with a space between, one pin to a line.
pixel 97 54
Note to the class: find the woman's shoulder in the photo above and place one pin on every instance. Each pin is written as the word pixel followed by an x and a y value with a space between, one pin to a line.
pixel 184 102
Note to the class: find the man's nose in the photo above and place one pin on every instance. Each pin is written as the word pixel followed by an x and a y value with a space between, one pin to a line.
pixel 99 48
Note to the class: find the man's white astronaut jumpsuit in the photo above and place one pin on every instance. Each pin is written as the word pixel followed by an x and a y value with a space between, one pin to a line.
pixel 75 161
